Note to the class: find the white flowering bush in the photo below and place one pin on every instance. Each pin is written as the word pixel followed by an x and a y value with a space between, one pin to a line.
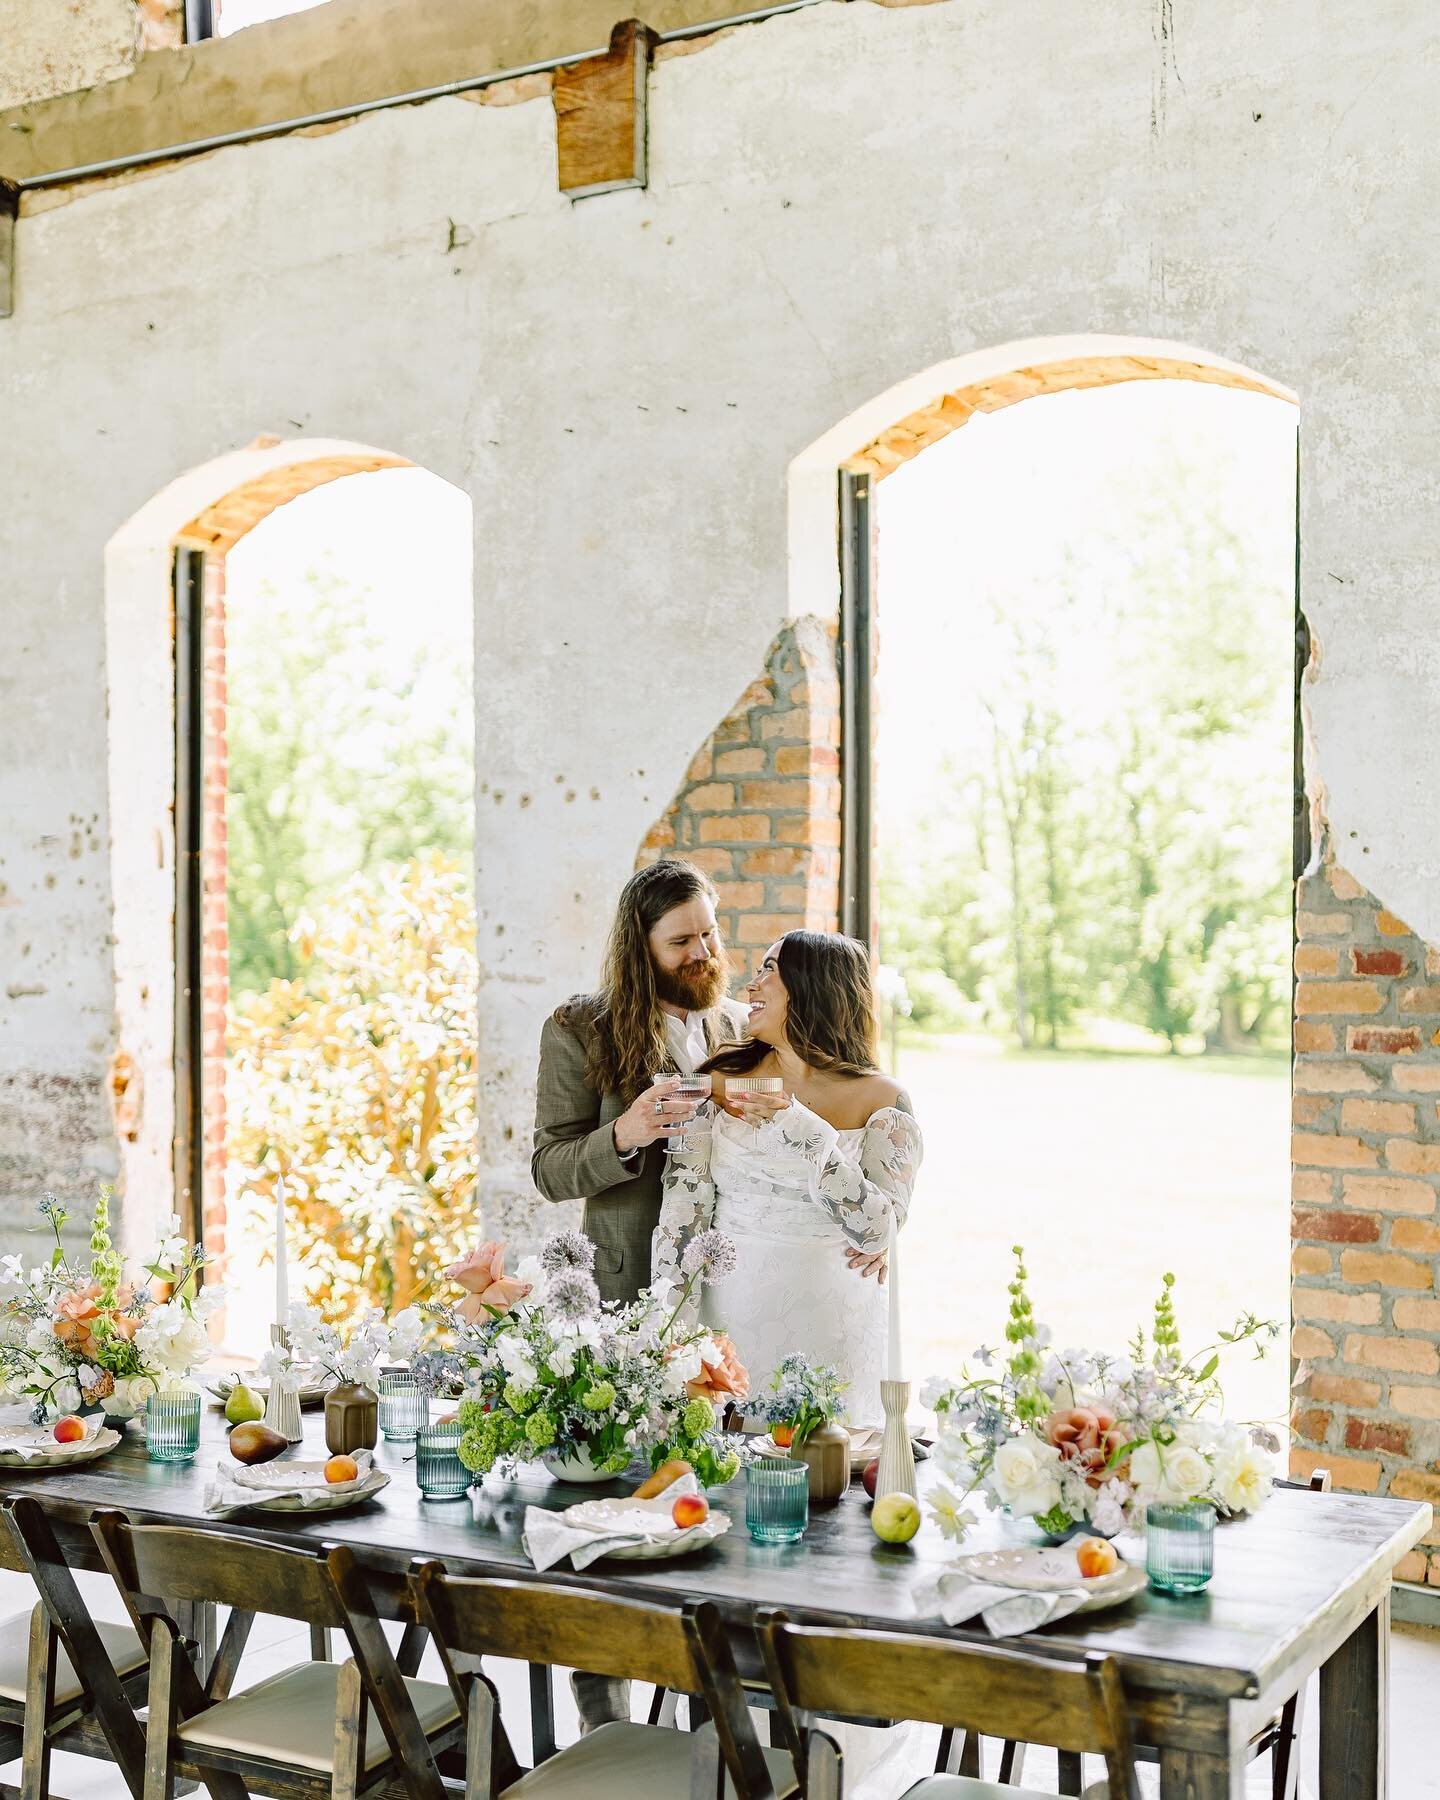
pixel 1090 1438
pixel 76 1333
pixel 544 1366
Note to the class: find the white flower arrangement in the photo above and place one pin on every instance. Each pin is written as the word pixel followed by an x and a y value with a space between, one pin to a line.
pixel 1086 1438
pixel 76 1333
pixel 355 1356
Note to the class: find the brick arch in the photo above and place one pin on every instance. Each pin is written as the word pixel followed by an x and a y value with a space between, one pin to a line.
pixel 926 425
pixel 220 526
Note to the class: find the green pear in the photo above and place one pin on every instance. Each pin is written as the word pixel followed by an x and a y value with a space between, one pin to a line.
pixel 244 1405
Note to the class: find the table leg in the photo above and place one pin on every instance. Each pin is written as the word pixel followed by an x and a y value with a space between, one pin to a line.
pixel 1201 1775
pixel 1355 1713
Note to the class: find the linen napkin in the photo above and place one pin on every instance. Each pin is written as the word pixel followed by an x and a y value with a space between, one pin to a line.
pixel 225 1494
pixel 41 1441
pixel 1005 1612
pixel 549 1537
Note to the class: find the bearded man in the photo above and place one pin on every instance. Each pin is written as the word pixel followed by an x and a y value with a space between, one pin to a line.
pixel 601 1126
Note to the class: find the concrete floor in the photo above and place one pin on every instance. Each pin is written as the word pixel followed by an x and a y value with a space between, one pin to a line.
pixel 277 1643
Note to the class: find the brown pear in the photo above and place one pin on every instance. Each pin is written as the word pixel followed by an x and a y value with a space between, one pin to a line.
pixel 255 1442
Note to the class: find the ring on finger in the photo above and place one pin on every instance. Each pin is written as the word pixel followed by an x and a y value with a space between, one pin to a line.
pixel 659 1106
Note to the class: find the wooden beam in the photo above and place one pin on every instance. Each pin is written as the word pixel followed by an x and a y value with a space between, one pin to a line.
pixel 335 61
pixel 600 115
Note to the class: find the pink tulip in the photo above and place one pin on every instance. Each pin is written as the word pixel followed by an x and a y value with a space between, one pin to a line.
pixel 488 1289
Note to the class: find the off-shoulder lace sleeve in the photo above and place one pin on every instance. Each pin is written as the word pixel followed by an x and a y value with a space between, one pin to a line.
pixel 860 1187
pixel 688 1204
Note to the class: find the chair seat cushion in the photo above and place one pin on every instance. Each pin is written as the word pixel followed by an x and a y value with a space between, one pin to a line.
pixel 633 1762
pixel 121 1645
pixel 290 1718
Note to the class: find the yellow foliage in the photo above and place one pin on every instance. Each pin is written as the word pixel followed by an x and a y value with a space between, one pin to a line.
pixel 358 1080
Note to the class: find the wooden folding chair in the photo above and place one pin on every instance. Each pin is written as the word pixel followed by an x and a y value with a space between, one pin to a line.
pixel 1075 1704
pixel 683 1648
pixel 304 1733
pixel 66 1680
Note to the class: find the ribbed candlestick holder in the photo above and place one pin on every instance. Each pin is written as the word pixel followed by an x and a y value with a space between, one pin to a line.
pixel 282 1404
pixel 897 1457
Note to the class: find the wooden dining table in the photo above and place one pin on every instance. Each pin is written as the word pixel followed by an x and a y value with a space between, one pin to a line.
pixel 1301 1586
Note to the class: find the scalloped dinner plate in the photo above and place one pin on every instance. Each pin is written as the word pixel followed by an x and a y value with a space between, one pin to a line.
pixel 273 1483
pixel 663 1537
pixel 1051 1568
pixel 53 1456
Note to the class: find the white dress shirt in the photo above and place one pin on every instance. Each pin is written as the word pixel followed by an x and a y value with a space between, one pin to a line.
pixel 686 1038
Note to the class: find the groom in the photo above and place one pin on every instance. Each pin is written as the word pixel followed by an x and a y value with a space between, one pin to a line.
pixel 600 1135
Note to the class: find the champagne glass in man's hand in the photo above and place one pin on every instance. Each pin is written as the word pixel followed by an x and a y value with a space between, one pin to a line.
pixel 655 1115
pixel 691 1090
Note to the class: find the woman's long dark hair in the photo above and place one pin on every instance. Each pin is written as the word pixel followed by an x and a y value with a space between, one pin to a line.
pixel 628 1042
pixel 830 1018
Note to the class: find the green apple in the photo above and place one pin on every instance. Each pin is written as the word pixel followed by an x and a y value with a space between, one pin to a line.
pixel 244 1405
pixel 895 1518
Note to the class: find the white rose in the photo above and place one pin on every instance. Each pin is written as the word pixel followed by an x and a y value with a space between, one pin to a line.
pixel 1026 1475
pixel 1243 1477
pixel 1186 1472
pixel 1146 1470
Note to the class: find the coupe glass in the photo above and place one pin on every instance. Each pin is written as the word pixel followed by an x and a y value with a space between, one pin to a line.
pixel 687 1087
pixel 1180 1546
pixel 172 1427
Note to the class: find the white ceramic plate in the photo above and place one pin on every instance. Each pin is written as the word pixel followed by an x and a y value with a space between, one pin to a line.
pixel 1049 1568
pixel 663 1537
pixel 275 1483
pixel 312 1393
pixel 98 1442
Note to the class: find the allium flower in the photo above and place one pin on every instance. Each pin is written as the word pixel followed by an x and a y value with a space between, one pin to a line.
pixel 712 1253
pixel 573 1295
pixel 567 1250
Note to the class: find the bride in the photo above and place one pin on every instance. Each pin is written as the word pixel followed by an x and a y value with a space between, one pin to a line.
pixel 805 1180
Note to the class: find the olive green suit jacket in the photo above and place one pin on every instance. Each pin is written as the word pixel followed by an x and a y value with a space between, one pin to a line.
pixel 575 1156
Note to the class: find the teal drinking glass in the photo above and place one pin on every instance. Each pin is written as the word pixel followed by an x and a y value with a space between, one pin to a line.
pixel 172 1427
pixel 403 1408
pixel 438 1468
pixel 1180 1546
pixel 777 1500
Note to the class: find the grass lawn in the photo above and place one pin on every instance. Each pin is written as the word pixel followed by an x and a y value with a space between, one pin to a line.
pixel 1109 1169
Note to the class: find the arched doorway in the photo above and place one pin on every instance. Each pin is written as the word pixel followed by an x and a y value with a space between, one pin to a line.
pixel 867 451
pixel 268 819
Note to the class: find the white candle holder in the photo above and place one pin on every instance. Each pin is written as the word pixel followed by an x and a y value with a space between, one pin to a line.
pixel 282 1403
pixel 897 1455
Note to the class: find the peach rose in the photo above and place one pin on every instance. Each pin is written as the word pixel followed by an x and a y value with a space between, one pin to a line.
pixel 722 1381
pixel 75 1316
pixel 488 1289
pixel 1087 1435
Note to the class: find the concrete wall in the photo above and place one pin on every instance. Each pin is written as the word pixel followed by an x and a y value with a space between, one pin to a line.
pixel 53 46
pixel 840 199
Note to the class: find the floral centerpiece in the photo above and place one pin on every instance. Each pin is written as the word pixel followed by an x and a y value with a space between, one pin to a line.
pixel 548 1370
pixel 1086 1438
pixel 80 1333
pixel 343 1357
pixel 803 1396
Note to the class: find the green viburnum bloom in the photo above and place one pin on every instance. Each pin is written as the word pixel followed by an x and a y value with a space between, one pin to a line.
pixel 476 1452
pixel 518 1397
pixel 597 1398
pixel 471 1414
pixel 698 1416
pixel 540 1430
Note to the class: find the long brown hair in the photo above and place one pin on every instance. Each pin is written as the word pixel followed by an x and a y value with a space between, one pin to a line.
pixel 628 1041
pixel 830 1012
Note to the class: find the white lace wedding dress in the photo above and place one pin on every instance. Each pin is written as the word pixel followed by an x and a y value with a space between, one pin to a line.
pixel 793 1194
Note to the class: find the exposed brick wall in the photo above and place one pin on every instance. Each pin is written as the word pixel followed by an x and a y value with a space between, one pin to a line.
pixel 214 928
pixel 1366 1154
pixel 759 809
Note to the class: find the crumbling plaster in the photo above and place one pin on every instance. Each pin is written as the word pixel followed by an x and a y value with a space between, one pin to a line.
pixel 840 199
